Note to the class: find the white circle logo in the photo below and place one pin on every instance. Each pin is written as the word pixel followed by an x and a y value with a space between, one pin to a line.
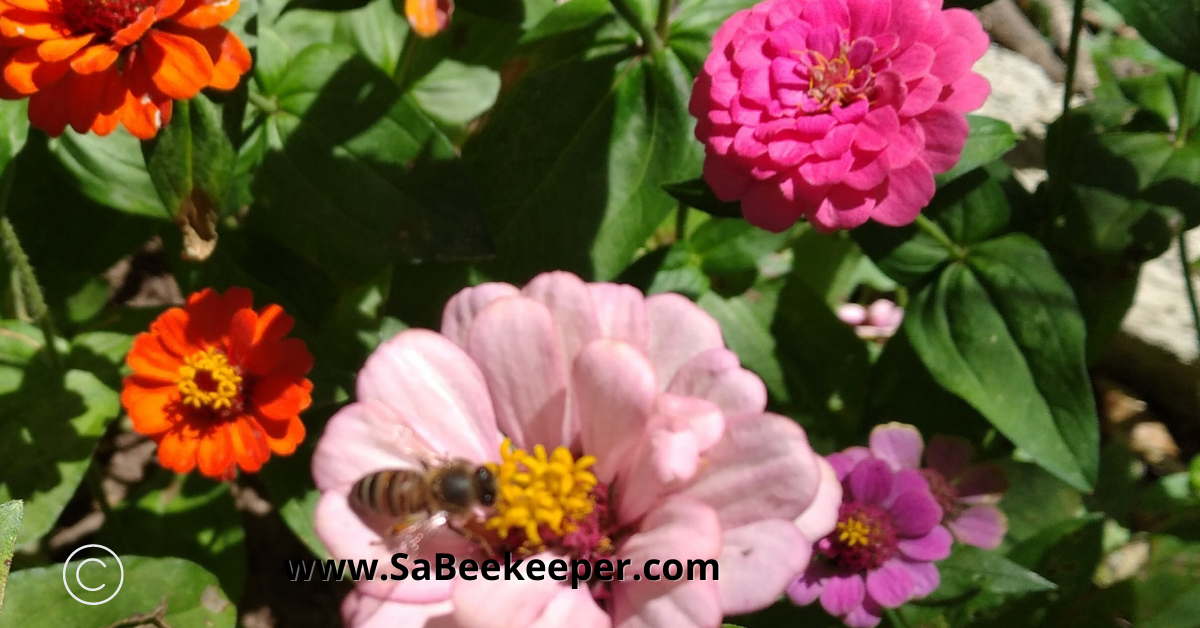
pixel 80 581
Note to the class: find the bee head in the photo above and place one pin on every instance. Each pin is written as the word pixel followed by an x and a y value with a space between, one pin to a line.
pixel 485 485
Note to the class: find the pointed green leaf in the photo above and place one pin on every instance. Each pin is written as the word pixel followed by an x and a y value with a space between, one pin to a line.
pixel 10 527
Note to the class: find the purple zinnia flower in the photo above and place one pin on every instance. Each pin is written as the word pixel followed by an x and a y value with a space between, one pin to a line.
pixel 881 553
pixel 967 494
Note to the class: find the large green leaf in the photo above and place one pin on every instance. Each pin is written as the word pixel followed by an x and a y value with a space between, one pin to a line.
pixel 10 527
pixel 989 140
pixel 1003 332
pixel 355 176
pixel 176 592
pixel 572 158
pixel 49 424
pixel 745 322
pixel 111 171
pixel 1173 26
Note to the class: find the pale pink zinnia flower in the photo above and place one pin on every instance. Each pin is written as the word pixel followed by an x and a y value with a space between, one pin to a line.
pixel 967 493
pixel 879 321
pixel 881 553
pixel 837 110
pixel 635 399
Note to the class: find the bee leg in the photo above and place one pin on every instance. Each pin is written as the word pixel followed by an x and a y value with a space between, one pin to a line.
pixel 459 526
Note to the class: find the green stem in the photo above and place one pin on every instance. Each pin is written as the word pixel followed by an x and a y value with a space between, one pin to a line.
pixel 681 216
pixel 264 104
pixel 1185 263
pixel 664 19
pixel 1185 113
pixel 30 288
pixel 405 62
pixel 1072 59
pixel 930 227
pixel 650 38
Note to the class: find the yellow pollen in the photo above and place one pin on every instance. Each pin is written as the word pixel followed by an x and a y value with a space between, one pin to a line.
pixel 535 490
pixel 854 531
pixel 207 380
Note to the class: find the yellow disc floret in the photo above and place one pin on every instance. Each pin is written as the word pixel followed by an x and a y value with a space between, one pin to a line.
pixel 854 531
pixel 536 490
pixel 207 380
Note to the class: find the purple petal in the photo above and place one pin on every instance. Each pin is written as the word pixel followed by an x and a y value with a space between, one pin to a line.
pixel 932 546
pixel 907 481
pixel 915 513
pixel 925 577
pixel 986 480
pixel 807 588
pixel 842 594
pixel 866 616
pixel 981 526
pixel 890 585
pixel 948 455
pixel 843 462
pixel 871 482
pixel 897 444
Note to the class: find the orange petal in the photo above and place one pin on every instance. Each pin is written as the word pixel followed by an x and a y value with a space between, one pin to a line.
pixel 180 66
pixel 131 34
pixel 167 8
pixel 283 436
pixel 428 17
pixel 273 325
pixel 150 358
pixel 215 456
pixel 33 25
pixel 177 449
pixel 27 73
pixel 95 59
pixel 50 109
pixel 281 397
pixel 105 91
pixel 59 49
pixel 207 13
pixel 237 298
pixel 249 444
pixel 142 116
pixel 171 328
pixel 241 334
pixel 35 5
pixel 233 61
pixel 294 359
pixel 148 407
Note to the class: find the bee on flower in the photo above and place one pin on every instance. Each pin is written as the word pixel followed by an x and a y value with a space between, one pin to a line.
pixel 94 64
pixel 218 385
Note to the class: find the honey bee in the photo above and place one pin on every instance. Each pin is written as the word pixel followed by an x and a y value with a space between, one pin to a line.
pixel 422 501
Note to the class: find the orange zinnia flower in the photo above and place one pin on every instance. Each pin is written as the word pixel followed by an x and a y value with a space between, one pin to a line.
pixel 428 17
pixel 95 63
pixel 217 385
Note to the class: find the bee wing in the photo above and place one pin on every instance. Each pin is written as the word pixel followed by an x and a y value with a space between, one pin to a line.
pixel 412 445
pixel 407 535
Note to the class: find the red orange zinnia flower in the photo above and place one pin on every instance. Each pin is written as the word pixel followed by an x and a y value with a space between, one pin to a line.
pixel 217 385
pixel 96 63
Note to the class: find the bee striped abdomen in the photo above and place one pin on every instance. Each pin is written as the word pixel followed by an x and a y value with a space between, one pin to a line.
pixel 394 493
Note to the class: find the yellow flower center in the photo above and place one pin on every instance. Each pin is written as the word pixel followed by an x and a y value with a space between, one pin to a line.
pixel 208 380
pixel 854 531
pixel 535 490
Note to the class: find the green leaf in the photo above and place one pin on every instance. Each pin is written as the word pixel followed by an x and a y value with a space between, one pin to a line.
pixel 970 569
pixel 111 171
pixel 745 322
pixel 1004 333
pixel 1168 590
pixel 572 157
pixel 50 427
pixel 989 140
pixel 454 93
pixel 1194 475
pixel 569 17
pixel 1066 553
pixel 727 246
pixel 355 176
pixel 674 268
pixel 10 527
pixel 14 129
pixel 177 592
pixel 697 194
pixel 377 31
pixel 829 263
pixel 1173 26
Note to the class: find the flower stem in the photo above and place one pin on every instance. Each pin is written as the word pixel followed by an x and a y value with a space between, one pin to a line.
pixel 1185 264
pixel 1072 59
pixel 29 287
pixel 264 104
pixel 650 39
pixel 664 19
pixel 930 227
pixel 407 53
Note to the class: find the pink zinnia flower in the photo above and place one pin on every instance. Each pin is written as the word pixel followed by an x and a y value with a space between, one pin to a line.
pixel 660 434
pixel 879 321
pixel 881 553
pixel 967 494
pixel 838 110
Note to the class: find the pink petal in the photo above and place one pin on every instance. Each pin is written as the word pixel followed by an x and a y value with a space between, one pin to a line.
pixel 897 444
pixel 866 616
pixel 524 603
pixel 828 172
pixel 843 462
pixel 981 526
pixel 681 528
pixel 820 518
pixel 615 390
pixel 967 93
pixel 921 96
pixel 925 577
pixel 948 455
pixel 697 416
pixel 915 513
pixel 964 24
pixel 515 344
pixel 570 302
pixel 906 145
pixel 679 330
pixel 825 40
pixel 621 311
pixel 868 17
pixel 461 309
pixel 364 611
pixel 573 607
pixel 765 205
pixel 909 191
pixel 871 481
pixel 908 480
pixel 914 62
pixel 890 585
pixel 764 468
pixel 807 588
pixel 844 208
pixel 360 439
pixel 945 135
pixel 683 604
pixel 728 183
pixel 758 561
pixel 717 375
pixel 908 18
pixel 438 391
pixel 932 546
pixel 852 314
pixel 876 130
pixel 827 12
pixel 842 594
